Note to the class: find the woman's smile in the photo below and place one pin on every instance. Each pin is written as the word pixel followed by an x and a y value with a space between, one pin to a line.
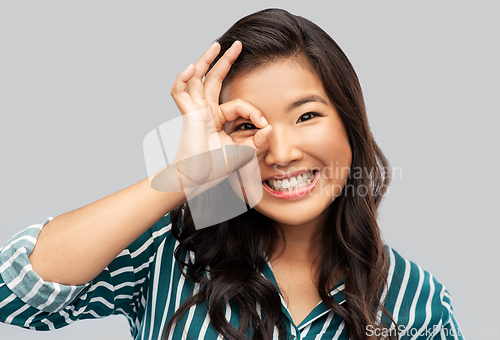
pixel 308 141
pixel 291 186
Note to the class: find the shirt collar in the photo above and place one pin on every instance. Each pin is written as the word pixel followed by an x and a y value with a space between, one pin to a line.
pixel 337 292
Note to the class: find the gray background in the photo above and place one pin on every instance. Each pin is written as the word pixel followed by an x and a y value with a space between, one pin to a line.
pixel 81 84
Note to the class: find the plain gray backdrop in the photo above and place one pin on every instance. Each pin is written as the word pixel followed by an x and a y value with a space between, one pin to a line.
pixel 82 83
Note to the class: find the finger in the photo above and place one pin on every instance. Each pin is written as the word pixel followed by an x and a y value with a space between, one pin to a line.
pixel 195 84
pixel 181 98
pixel 240 108
pixel 259 141
pixel 213 81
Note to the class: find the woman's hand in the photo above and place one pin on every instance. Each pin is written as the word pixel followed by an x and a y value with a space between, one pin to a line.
pixel 200 156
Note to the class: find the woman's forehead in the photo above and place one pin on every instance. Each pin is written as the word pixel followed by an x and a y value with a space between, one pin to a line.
pixel 275 84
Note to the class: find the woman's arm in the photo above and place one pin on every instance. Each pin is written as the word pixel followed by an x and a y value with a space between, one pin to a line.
pixel 121 288
pixel 75 247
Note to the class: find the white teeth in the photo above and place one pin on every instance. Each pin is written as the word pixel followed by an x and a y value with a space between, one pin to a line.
pixel 285 183
pixel 292 183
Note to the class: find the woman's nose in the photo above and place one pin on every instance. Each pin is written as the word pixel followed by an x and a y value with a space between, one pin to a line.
pixel 283 148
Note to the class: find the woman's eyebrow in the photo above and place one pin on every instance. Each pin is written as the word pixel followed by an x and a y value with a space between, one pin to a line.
pixel 308 99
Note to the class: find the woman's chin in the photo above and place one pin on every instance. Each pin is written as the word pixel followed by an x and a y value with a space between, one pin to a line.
pixel 290 215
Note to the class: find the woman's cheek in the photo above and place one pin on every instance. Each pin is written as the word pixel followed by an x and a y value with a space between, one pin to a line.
pixel 329 146
pixel 314 140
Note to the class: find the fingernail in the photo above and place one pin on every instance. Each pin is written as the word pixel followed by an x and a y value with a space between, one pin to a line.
pixel 264 121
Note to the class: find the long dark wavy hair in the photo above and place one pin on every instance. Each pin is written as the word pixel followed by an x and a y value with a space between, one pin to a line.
pixel 230 256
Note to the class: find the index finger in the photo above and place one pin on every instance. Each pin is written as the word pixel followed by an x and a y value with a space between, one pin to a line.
pixel 241 108
pixel 213 81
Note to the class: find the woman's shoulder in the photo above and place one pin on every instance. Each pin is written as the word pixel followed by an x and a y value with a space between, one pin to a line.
pixel 409 275
pixel 409 281
pixel 402 268
pixel 415 298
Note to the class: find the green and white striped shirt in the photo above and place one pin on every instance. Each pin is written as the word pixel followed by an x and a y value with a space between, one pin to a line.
pixel 144 284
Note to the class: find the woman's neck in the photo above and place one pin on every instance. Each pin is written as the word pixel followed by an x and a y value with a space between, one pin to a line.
pixel 303 242
pixel 304 248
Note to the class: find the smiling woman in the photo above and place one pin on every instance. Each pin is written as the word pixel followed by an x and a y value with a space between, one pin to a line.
pixel 307 261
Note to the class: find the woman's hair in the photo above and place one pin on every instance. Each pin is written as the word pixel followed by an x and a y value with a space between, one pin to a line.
pixel 230 256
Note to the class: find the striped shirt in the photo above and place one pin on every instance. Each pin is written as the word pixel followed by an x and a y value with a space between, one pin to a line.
pixel 145 284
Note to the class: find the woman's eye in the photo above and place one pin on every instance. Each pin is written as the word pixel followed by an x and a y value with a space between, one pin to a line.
pixel 245 126
pixel 307 116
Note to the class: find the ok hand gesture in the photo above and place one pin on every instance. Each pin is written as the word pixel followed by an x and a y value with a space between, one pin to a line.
pixel 200 157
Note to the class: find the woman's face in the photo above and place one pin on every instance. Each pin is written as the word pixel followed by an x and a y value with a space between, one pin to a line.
pixel 308 140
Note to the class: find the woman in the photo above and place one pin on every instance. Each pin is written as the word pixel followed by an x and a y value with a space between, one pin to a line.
pixel 303 263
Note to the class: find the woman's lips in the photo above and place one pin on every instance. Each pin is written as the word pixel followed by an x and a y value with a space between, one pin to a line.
pixel 300 192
